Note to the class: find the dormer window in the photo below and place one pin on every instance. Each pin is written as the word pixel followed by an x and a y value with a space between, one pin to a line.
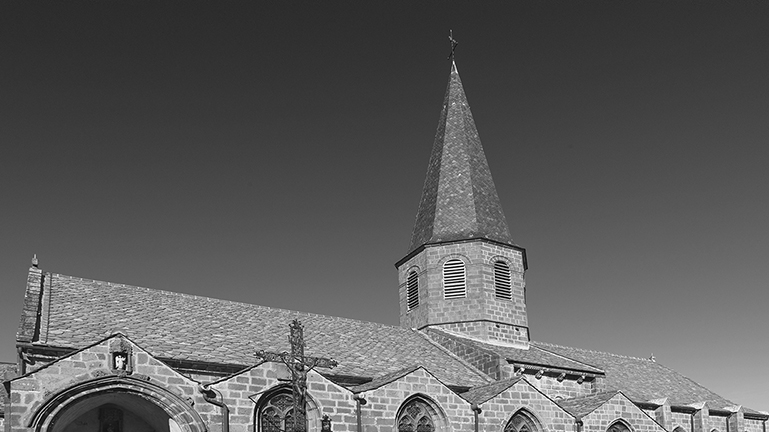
pixel 412 290
pixel 502 281
pixel 454 284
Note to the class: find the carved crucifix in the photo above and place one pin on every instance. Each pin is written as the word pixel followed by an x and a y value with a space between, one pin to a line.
pixel 298 364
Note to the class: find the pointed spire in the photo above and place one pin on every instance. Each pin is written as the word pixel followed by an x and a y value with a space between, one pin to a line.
pixel 459 199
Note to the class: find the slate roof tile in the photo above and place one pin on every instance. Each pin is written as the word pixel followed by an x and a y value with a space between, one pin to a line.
pixel 459 200
pixel 384 379
pixel 640 379
pixel 483 393
pixel 582 406
pixel 533 356
pixel 193 328
pixel 7 370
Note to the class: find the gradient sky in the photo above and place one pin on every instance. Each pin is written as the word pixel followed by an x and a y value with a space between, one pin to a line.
pixel 274 153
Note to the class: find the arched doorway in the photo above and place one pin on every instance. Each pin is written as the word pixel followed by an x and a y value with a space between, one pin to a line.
pixel 114 412
pixel 116 404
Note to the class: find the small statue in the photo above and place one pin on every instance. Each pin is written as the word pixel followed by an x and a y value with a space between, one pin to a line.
pixel 120 361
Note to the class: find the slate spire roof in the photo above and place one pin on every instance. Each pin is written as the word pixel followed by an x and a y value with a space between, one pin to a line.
pixel 459 199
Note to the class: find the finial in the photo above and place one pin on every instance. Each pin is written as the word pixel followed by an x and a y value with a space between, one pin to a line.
pixel 454 44
pixel 34 260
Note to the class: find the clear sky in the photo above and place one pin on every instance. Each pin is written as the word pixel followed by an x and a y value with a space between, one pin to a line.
pixel 274 153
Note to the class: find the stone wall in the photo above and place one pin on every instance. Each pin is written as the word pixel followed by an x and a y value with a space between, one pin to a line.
pixel 497 411
pixel 480 314
pixel 681 420
pixel 619 407
pixel 90 371
pixel 243 395
pixel 565 389
pixel 383 403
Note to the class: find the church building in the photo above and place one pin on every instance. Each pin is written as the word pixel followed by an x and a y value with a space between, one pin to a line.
pixel 461 361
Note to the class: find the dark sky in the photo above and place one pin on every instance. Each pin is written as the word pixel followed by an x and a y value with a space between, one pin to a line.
pixel 274 153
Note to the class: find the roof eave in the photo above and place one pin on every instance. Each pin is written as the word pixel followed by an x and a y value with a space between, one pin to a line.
pixel 496 242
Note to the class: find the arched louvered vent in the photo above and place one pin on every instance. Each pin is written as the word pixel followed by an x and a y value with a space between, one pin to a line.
pixel 502 283
pixel 454 279
pixel 412 290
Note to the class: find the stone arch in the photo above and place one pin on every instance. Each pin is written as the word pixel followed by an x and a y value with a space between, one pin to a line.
pixel 420 413
pixel 464 258
pixel 678 428
pixel 156 404
pixel 264 400
pixel 619 425
pixel 412 268
pixel 502 258
pixel 523 420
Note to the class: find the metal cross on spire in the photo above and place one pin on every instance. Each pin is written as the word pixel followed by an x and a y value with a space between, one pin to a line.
pixel 454 44
pixel 298 364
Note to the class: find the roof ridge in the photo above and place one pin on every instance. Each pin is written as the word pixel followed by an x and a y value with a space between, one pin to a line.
pixel 215 299
pixel 569 358
pixel 590 351
pixel 591 395
pixel 451 354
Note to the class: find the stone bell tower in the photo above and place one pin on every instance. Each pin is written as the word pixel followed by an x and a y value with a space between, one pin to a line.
pixel 463 273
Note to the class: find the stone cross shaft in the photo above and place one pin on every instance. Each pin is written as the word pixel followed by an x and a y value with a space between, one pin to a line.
pixel 298 364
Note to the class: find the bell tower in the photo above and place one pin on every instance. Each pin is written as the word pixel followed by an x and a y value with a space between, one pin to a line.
pixel 463 273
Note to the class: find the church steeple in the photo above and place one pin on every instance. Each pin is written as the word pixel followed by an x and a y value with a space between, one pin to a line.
pixel 459 199
pixel 463 273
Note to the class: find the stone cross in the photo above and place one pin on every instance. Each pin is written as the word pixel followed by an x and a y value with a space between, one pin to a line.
pixel 298 364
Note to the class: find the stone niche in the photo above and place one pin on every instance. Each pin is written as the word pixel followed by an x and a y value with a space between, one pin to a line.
pixel 121 359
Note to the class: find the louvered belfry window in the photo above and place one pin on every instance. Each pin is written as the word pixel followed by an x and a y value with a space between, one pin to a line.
pixel 454 284
pixel 412 290
pixel 502 281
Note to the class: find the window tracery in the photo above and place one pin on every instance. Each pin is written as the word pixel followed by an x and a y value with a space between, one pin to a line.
pixel 521 422
pixel 618 426
pixel 277 413
pixel 415 417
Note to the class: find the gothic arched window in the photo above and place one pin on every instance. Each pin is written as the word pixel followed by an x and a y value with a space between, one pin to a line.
pixel 415 417
pixel 618 426
pixel 522 421
pixel 277 413
pixel 454 279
